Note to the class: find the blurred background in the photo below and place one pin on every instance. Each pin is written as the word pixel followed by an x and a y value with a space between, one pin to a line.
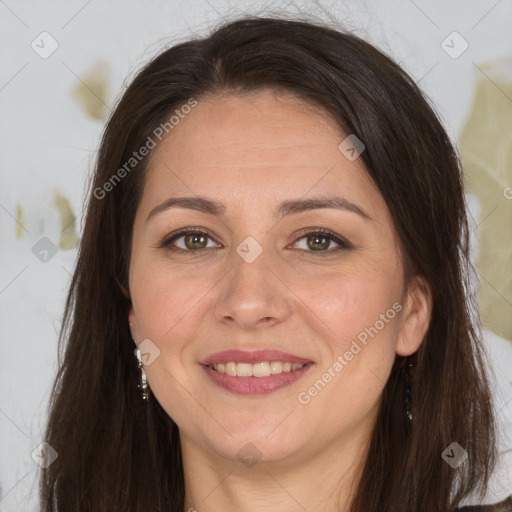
pixel 63 66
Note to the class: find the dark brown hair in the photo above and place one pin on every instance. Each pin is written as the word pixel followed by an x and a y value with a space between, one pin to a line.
pixel 117 453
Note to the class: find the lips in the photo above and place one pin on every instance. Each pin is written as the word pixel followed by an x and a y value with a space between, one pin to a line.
pixel 254 373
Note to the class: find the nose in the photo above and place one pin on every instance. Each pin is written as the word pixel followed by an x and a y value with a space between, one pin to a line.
pixel 253 294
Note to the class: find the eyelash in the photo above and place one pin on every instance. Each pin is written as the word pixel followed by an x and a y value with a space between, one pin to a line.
pixel 167 241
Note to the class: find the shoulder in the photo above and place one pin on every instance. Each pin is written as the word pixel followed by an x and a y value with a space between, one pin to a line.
pixel 502 506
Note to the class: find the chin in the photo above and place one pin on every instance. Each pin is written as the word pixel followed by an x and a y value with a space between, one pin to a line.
pixel 256 445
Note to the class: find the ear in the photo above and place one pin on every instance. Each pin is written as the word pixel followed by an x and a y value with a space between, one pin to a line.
pixel 133 324
pixel 416 316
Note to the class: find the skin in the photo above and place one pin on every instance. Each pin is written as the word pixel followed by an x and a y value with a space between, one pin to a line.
pixel 251 153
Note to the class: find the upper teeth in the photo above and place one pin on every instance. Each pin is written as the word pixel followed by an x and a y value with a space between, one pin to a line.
pixel 262 369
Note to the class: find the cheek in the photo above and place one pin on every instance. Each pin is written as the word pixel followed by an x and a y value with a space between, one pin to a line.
pixel 163 298
pixel 350 301
pixel 360 351
pixel 359 309
pixel 167 303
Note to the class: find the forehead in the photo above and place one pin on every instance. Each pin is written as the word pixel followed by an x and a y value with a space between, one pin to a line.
pixel 264 123
pixel 264 144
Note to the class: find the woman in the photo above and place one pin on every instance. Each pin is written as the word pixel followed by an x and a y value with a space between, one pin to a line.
pixel 277 227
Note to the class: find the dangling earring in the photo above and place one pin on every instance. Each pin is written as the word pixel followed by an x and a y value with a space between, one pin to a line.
pixel 143 384
pixel 408 388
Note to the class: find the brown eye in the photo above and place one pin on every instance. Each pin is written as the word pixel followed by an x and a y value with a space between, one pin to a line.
pixel 195 241
pixel 318 242
pixel 190 240
pixel 322 242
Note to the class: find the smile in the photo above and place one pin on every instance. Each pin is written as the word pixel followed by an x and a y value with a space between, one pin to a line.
pixel 254 373
pixel 261 369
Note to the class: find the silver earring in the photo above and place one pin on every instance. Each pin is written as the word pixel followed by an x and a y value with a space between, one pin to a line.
pixel 143 383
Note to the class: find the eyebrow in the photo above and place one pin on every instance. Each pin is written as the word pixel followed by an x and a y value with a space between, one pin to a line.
pixel 289 207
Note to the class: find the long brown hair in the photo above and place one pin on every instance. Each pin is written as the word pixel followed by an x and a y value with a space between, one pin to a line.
pixel 116 453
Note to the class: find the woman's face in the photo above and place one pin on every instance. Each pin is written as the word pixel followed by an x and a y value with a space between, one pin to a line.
pixel 260 291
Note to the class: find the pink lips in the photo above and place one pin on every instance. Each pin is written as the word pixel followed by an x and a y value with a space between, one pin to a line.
pixel 254 385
